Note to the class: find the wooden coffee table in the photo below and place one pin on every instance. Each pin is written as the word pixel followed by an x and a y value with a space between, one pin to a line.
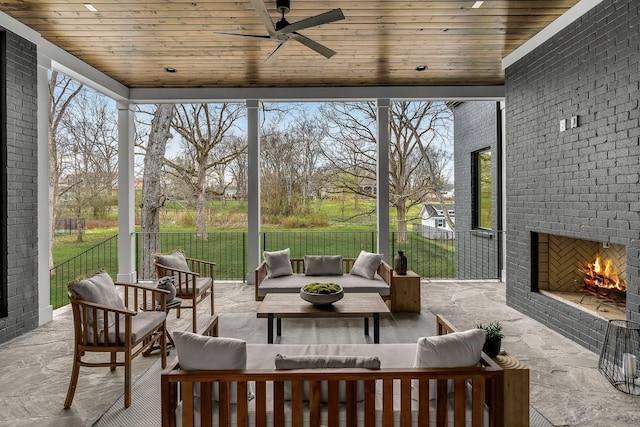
pixel 289 305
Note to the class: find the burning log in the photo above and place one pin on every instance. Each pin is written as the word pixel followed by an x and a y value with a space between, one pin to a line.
pixel 601 280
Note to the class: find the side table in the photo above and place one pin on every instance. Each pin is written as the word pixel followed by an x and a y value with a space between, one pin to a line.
pixel 516 390
pixel 405 292
pixel 152 305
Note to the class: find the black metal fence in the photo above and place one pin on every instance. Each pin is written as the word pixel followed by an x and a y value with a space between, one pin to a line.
pixel 463 255
pixel 228 249
pixel 104 255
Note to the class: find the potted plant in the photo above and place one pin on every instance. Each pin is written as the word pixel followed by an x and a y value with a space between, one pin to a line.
pixel 494 337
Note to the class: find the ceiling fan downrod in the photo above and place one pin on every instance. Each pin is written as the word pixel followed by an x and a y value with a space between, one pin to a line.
pixel 283 7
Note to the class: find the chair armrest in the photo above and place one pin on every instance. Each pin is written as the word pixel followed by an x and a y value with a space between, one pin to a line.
pixel 202 267
pixel 386 272
pixel 175 271
pixel 126 311
pixel 261 273
pixel 210 329
pixel 143 302
pixel 185 280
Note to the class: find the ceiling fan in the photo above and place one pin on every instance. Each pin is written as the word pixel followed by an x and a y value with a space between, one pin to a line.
pixel 283 31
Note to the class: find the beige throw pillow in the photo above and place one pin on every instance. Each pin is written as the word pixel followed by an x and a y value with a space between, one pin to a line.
pixel 198 352
pixel 454 350
pixel 278 263
pixel 366 264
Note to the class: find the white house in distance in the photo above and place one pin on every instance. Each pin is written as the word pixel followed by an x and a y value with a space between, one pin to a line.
pixel 434 224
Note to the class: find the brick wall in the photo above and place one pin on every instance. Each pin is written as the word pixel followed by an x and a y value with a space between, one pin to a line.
pixel 584 182
pixel 476 128
pixel 19 138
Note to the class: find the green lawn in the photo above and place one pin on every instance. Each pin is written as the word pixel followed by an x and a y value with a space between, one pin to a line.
pixel 351 230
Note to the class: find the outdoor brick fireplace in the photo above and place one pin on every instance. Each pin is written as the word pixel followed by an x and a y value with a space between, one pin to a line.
pixel 580 182
pixel 589 275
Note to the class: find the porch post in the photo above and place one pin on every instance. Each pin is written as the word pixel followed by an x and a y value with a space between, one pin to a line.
pixel 502 226
pixel 126 195
pixel 45 313
pixel 382 179
pixel 253 187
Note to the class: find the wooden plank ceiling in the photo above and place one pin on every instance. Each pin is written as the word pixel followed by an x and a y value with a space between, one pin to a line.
pixel 379 43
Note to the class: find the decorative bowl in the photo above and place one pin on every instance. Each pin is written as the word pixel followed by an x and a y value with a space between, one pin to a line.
pixel 321 293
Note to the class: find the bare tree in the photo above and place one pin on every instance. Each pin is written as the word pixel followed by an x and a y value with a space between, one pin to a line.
pixel 204 129
pixel 62 91
pixel 308 132
pixel 412 177
pixel 352 151
pixel 239 168
pixel 92 132
pixel 279 183
pixel 435 166
pixel 152 197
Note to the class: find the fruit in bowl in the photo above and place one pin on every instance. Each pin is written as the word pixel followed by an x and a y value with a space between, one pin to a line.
pixel 321 293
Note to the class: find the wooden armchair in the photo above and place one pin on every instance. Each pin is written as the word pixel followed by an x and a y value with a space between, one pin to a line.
pixel 103 323
pixel 193 279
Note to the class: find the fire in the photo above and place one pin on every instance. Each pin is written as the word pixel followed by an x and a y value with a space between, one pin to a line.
pixel 602 274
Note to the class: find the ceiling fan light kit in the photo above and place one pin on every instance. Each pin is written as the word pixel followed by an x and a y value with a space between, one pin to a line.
pixel 283 31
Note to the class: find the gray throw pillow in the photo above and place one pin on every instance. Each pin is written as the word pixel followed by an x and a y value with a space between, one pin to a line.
pixel 326 361
pixel 100 289
pixel 175 260
pixel 198 352
pixel 323 265
pixel 322 362
pixel 278 263
pixel 366 264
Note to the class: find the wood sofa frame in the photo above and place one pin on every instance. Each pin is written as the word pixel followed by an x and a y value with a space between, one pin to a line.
pixel 487 393
pixel 297 264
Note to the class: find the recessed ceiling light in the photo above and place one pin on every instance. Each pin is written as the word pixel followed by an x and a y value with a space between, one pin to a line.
pixel 421 67
pixel 171 70
pixel 477 5
pixel 90 7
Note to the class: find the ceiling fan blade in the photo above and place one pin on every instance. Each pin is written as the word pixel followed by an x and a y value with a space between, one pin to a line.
pixel 277 51
pixel 245 36
pixel 322 50
pixel 323 18
pixel 261 8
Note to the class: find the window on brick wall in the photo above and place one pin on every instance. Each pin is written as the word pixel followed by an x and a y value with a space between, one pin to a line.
pixel 482 188
pixel 3 176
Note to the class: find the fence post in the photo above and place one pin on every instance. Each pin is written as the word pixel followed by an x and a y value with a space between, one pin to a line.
pixel 244 258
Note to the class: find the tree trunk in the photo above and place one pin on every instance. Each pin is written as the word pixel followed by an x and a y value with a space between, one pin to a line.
pixel 201 215
pixel 201 203
pixel 152 197
pixel 401 211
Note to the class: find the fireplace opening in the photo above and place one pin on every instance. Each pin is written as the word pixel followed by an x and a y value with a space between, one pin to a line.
pixel 587 274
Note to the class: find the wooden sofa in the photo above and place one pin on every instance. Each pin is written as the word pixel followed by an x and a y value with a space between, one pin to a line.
pixel 390 397
pixel 293 284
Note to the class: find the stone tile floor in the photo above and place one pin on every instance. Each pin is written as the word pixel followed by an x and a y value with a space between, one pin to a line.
pixel 565 384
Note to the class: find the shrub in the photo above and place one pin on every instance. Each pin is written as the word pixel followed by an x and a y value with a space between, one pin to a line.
pixel 305 221
pixel 187 220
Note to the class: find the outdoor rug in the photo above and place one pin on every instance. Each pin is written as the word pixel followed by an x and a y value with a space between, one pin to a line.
pixel 400 327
